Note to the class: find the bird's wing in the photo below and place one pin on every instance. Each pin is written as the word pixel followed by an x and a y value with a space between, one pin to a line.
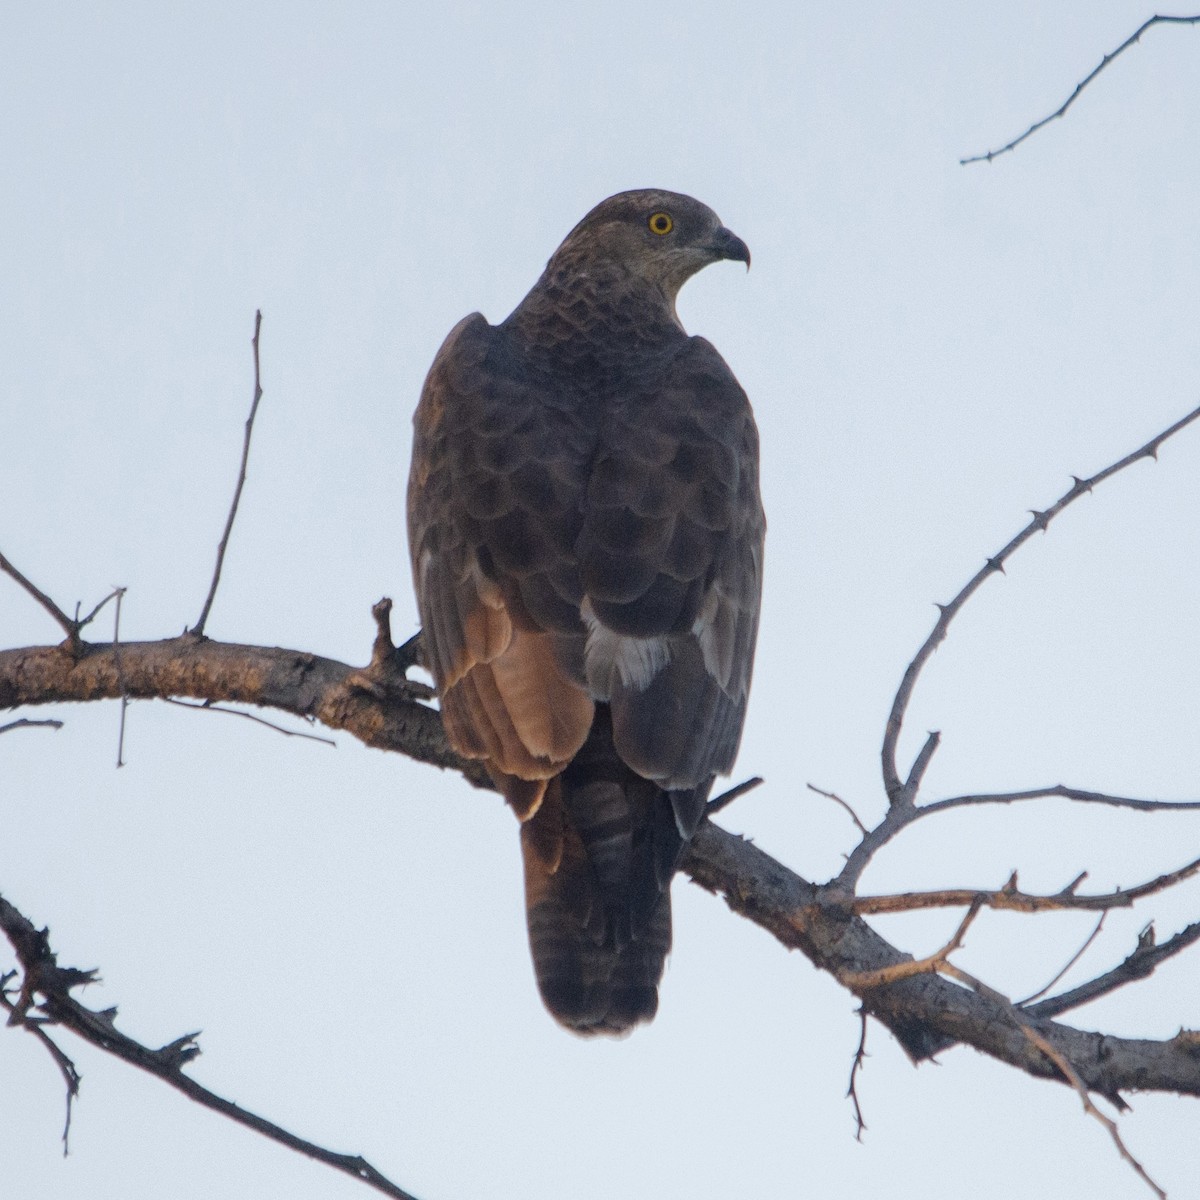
pixel 499 469
pixel 670 561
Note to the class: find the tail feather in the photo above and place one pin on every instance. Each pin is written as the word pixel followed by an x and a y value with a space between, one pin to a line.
pixel 599 854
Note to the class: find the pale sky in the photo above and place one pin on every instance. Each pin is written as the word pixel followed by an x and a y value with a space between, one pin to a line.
pixel 931 351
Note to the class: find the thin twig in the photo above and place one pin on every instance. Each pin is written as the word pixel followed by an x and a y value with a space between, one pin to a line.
pixel 1139 964
pixel 1063 792
pixel 53 984
pixel 912 785
pixel 116 643
pixel 1069 1073
pixel 812 787
pixel 66 1067
pixel 900 815
pixel 994 565
pixel 83 622
pixel 727 797
pixel 198 628
pixel 209 706
pixel 1091 937
pixel 69 627
pixel 864 981
pixel 1009 898
pixel 1061 110
pixel 26 723
pixel 852 1091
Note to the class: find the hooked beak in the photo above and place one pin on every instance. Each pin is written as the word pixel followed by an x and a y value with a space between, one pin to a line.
pixel 727 244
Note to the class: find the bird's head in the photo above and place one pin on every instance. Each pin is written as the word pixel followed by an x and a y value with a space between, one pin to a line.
pixel 661 237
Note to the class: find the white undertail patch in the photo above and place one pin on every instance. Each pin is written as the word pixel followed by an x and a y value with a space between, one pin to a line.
pixel 611 658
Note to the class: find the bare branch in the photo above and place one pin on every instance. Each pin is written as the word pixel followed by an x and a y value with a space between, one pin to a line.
pixel 900 814
pixel 67 1068
pixel 1140 964
pixel 1091 937
pixel 1011 899
pixel 912 785
pixel 198 629
pixel 926 1013
pixel 812 787
pixel 81 623
pixel 69 627
pixel 1132 40
pixel 993 565
pixel 1063 1063
pixel 45 978
pixel 387 672
pixel 293 681
pixel 863 981
pixel 25 723
pixel 116 649
pixel 1062 792
pixel 727 797
pixel 383 649
pixel 852 1091
pixel 208 706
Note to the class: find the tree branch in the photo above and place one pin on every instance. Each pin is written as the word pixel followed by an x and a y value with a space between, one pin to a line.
pixel 1140 964
pixel 1062 792
pixel 993 565
pixel 1012 900
pixel 926 1013
pixel 1131 40
pixel 45 978
pixel 25 723
pixel 387 715
pixel 69 627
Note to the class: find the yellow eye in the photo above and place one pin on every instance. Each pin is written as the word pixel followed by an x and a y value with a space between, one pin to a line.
pixel 661 223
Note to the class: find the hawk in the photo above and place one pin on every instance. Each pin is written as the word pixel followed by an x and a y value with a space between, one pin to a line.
pixel 586 538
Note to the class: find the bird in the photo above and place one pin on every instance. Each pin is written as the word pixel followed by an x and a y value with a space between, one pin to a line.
pixel 586 534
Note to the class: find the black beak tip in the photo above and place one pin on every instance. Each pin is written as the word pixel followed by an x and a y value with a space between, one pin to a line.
pixel 728 245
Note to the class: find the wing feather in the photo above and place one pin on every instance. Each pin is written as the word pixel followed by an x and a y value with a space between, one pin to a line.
pixel 494 497
pixel 684 610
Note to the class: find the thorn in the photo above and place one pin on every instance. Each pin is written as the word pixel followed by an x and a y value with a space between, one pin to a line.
pixel 1147 938
pixel 996 565
pixel 941 607
pixel 1081 485
pixel 1011 885
pixel 1040 520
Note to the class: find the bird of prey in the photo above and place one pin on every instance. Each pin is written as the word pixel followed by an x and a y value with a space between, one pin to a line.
pixel 586 537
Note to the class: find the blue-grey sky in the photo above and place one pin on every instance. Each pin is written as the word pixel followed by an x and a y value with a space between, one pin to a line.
pixel 931 350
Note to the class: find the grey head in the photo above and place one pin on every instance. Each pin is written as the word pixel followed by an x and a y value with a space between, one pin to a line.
pixel 660 237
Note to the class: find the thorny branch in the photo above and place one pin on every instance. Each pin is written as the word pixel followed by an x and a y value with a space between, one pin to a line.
pixel 1132 40
pixel 860 1057
pixel 898 793
pixel 45 999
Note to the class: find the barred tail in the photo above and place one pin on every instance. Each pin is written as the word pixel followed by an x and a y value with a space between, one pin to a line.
pixel 599 854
